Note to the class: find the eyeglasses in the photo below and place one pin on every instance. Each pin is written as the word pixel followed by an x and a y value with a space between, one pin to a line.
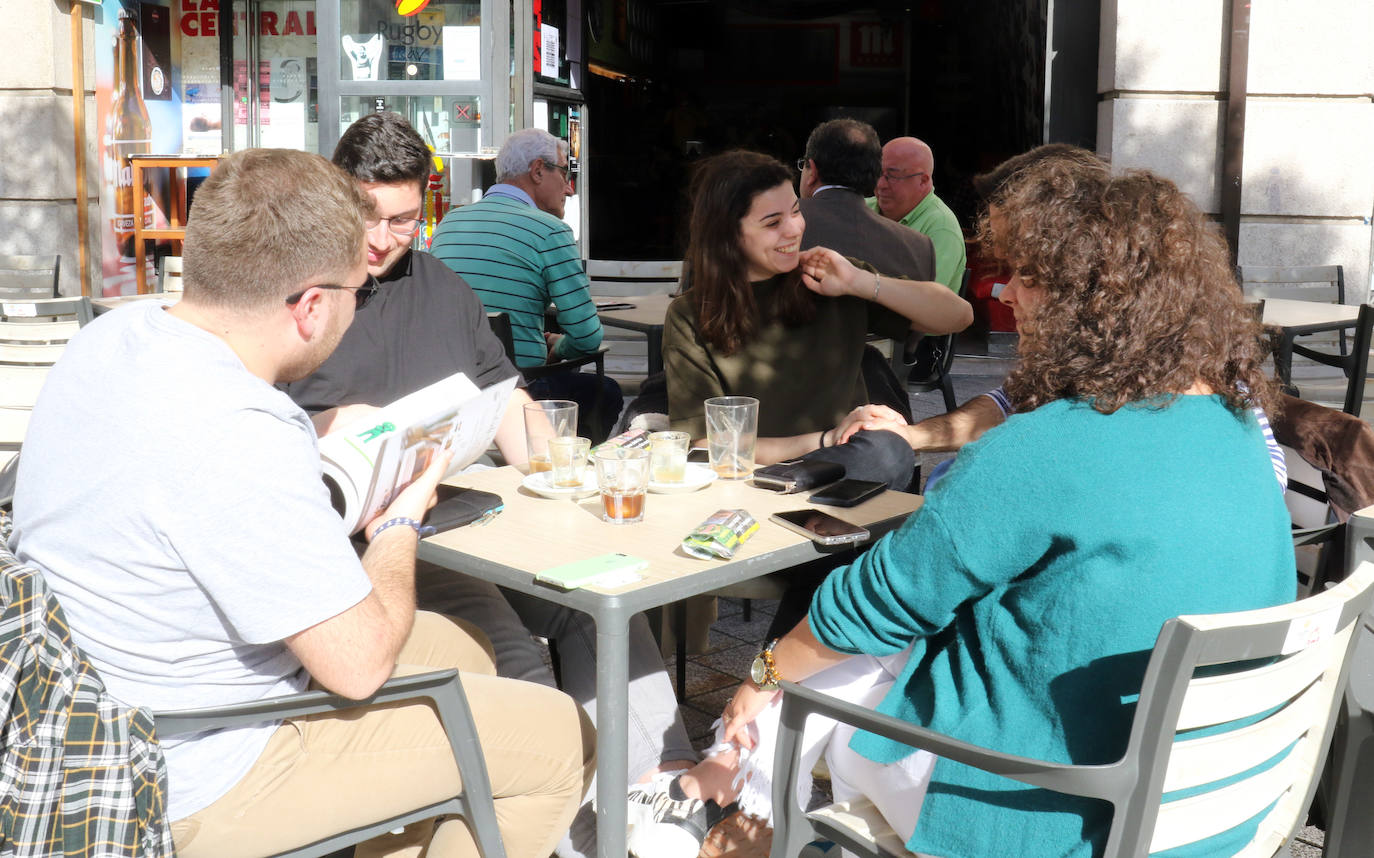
pixel 893 177
pixel 562 168
pixel 361 294
pixel 801 164
pixel 401 227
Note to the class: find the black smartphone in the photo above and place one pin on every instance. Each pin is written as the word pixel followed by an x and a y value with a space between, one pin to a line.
pixel 848 492
pixel 699 454
pixel 822 527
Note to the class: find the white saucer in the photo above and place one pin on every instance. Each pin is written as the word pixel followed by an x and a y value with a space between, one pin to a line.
pixel 540 485
pixel 697 476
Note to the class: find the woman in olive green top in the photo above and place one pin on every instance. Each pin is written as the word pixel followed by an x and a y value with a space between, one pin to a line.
pixel 762 318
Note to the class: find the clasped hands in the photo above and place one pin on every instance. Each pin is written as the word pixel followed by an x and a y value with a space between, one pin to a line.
pixel 872 417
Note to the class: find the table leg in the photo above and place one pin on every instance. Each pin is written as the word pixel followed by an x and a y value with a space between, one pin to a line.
pixel 612 731
pixel 1283 362
pixel 655 346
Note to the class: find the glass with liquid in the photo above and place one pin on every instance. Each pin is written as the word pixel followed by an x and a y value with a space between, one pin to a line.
pixel 732 431
pixel 622 476
pixel 545 419
pixel 668 456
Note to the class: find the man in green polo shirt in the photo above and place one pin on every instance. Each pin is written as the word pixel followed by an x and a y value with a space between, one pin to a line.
pixel 906 194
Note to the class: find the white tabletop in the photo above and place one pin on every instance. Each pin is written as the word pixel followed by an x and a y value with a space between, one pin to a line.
pixel 1291 313
pixel 534 533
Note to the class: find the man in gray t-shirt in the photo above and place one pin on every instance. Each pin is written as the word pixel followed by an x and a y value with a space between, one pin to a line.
pixel 172 498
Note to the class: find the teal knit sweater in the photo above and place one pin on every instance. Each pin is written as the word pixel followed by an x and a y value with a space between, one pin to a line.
pixel 1034 582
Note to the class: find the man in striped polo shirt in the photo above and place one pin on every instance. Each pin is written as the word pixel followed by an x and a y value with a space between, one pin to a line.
pixel 518 255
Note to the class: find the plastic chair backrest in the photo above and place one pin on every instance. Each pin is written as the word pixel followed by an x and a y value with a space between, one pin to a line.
pixel 620 278
pixel 1283 666
pixel 29 276
pixel 1306 283
pixel 39 310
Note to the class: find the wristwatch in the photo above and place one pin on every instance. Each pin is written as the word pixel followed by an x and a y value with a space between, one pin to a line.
pixel 764 671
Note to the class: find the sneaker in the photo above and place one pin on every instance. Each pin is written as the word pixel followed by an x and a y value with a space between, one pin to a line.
pixel 665 823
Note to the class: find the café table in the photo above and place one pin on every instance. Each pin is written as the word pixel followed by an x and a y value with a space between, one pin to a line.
pixel 104 305
pixel 1293 319
pixel 645 316
pixel 535 533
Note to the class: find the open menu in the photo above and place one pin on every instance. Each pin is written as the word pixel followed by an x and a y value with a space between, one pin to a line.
pixel 367 462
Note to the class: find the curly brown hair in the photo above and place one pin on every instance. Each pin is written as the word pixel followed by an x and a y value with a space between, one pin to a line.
pixel 716 273
pixel 1138 301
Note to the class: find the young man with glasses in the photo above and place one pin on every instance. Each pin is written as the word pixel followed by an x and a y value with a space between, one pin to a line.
pixel 906 194
pixel 423 323
pixel 426 323
pixel 519 255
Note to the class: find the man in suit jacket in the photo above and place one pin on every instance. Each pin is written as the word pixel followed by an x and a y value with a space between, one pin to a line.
pixel 842 164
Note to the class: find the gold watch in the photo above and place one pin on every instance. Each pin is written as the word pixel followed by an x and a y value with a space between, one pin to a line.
pixel 764 670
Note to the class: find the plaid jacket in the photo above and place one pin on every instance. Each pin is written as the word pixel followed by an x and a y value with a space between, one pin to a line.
pixel 80 775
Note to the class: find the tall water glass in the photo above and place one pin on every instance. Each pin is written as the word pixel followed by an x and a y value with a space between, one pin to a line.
pixel 545 419
pixel 732 431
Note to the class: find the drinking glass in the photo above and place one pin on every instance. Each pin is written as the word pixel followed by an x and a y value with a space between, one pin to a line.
pixel 568 455
pixel 623 477
pixel 668 456
pixel 732 431
pixel 545 419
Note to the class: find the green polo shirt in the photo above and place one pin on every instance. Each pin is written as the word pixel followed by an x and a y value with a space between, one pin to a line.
pixel 934 219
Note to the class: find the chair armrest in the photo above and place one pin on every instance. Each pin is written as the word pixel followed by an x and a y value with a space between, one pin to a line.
pixel 297 705
pixel 597 357
pixel 443 687
pixel 798 701
pixel 1338 361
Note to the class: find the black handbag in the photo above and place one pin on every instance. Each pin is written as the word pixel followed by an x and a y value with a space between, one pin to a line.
pixel 798 475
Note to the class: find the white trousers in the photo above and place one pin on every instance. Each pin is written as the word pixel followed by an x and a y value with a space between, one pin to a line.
pixel 896 789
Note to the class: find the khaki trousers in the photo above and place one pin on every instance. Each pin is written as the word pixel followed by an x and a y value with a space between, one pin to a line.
pixel 327 773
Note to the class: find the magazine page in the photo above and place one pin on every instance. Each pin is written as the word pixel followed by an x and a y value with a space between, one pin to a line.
pixel 367 462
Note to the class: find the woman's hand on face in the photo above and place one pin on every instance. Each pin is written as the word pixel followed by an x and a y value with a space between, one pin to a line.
pixel 826 272
pixel 743 708
pixel 868 417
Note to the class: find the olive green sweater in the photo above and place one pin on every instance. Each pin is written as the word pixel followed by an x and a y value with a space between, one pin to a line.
pixel 806 377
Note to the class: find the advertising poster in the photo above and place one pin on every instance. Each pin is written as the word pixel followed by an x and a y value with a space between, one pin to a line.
pixel 138 111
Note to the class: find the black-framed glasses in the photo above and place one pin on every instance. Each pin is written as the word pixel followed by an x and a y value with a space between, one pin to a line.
pixel 401 227
pixel 361 294
pixel 562 168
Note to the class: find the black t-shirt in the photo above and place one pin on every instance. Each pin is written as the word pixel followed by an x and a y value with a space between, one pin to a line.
pixel 423 325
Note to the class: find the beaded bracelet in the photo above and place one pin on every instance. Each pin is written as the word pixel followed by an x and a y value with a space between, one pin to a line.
pixel 420 530
pixel 877 285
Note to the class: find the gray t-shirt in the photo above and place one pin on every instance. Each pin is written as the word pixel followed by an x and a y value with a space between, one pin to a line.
pixel 174 502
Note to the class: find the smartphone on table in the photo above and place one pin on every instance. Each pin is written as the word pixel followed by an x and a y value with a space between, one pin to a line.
pixel 848 492
pixel 822 527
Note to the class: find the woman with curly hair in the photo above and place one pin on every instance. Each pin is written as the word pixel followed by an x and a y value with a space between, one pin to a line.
pixel 1017 608
pixel 760 317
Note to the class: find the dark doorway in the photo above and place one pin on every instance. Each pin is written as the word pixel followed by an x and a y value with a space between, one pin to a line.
pixel 674 80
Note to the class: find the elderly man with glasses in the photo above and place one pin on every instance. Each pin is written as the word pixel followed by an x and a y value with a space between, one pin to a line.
pixel 906 194
pixel 519 255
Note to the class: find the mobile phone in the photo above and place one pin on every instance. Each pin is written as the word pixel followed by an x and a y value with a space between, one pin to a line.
pixel 699 454
pixel 581 572
pixel 822 527
pixel 848 492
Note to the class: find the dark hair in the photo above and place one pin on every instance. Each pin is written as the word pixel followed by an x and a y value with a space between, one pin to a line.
pixel 847 152
pixel 1137 300
pixel 986 185
pixel 723 189
pixel 383 148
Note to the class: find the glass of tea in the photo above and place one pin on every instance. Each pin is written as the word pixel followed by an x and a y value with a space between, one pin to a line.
pixel 568 456
pixel 668 456
pixel 622 475
pixel 732 430
pixel 545 419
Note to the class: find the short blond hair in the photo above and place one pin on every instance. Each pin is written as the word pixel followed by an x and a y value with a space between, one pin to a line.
pixel 269 222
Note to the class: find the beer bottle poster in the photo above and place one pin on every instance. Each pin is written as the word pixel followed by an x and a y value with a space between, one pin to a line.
pixel 138 111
